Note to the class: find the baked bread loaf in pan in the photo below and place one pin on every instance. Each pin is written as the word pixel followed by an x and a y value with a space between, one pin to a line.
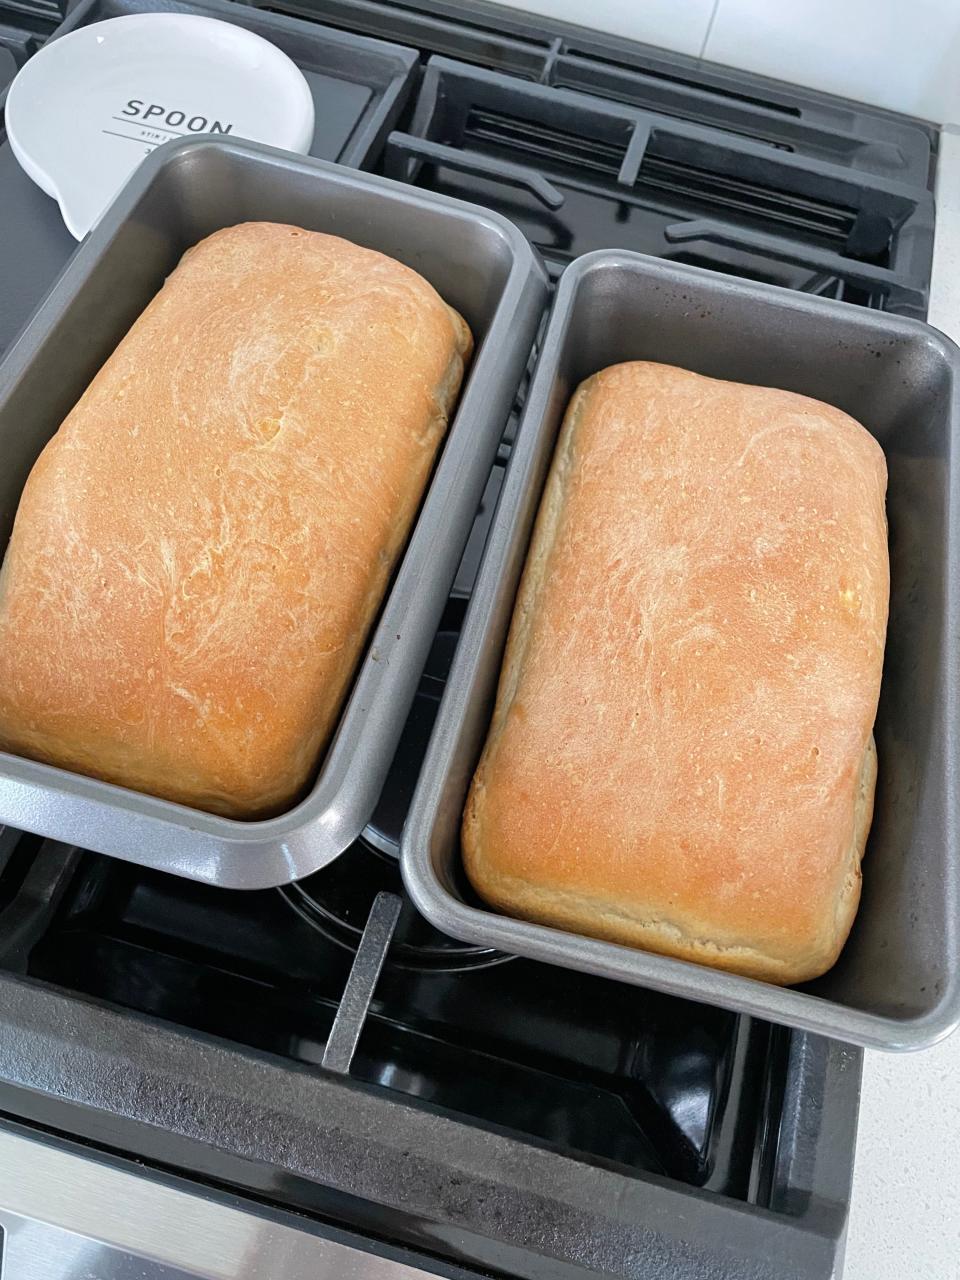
pixel 681 754
pixel 200 550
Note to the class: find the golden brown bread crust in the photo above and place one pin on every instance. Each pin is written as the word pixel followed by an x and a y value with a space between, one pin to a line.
pixel 200 550
pixel 681 754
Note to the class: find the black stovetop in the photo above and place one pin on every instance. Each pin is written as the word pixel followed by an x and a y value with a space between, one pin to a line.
pixel 668 1138
pixel 586 1066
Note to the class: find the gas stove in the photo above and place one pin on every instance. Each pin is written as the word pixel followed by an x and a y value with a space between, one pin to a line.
pixel 317 1061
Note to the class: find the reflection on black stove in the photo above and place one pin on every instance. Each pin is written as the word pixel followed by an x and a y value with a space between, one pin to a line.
pixel 337 902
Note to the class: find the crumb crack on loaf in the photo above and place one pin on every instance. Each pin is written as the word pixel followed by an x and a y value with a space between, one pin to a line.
pixel 681 754
pixel 200 550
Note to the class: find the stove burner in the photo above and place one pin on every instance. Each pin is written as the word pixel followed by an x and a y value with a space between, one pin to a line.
pixel 337 900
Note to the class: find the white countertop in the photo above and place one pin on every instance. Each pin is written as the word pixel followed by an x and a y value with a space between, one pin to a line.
pixel 905 1213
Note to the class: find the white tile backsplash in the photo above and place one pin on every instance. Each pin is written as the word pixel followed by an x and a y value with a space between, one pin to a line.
pixel 680 25
pixel 901 54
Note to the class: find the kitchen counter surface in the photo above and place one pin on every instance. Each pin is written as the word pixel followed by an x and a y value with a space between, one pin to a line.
pixel 905 1213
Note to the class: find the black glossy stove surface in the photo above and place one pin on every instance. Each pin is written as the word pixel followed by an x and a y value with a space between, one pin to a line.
pixel 586 1066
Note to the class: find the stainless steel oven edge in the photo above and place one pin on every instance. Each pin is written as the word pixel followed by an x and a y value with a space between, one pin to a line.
pixel 66 1215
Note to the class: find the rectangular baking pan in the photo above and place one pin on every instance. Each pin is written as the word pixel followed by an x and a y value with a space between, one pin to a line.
pixel 479 262
pixel 896 983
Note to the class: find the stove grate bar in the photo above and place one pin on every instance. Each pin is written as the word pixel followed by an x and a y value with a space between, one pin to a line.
pixel 401 148
pixel 454 36
pixel 9 839
pixel 28 916
pixel 48 11
pixel 864 274
pixel 361 984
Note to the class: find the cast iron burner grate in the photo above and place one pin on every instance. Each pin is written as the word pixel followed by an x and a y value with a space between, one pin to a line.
pixel 577 173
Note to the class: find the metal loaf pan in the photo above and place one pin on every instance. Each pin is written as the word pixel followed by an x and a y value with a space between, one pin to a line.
pixel 896 983
pixel 184 191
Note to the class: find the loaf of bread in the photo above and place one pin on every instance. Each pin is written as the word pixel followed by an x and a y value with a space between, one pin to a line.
pixel 681 755
pixel 200 550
